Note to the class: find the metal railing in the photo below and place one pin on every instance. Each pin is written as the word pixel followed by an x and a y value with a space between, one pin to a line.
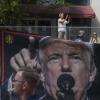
pixel 72 32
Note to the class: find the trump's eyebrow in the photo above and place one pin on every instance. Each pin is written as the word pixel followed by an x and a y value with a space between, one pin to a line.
pixel 54 54
pixel 74 53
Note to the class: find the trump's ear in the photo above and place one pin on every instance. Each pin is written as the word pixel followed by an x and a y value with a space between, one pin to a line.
pixel 93 72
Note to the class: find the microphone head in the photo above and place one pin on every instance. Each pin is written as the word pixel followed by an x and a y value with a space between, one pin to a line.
pixel 65 82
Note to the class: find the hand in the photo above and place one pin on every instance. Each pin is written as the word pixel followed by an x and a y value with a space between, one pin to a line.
pixel 67 16
pixel 25 57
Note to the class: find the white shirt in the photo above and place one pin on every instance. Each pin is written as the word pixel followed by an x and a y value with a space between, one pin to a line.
pixel 62 26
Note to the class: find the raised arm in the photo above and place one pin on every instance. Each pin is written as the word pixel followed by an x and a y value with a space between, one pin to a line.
pixel 25 57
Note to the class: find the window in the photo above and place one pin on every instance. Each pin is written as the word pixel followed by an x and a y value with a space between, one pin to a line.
pixel 44 27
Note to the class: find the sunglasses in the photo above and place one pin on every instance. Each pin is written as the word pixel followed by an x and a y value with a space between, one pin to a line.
pixel 14 80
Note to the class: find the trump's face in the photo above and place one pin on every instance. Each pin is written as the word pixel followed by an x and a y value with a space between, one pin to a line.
pixel 63 58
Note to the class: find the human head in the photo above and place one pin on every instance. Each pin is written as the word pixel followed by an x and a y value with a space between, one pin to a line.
pixel 94 35
pixel 81 32
pixel 61 15
pixel 59 56
pixel 25 81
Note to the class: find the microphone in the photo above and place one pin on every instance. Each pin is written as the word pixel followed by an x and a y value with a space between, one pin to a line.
pixel 65 83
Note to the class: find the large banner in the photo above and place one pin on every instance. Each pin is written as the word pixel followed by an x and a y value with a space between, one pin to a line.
pixel 12 42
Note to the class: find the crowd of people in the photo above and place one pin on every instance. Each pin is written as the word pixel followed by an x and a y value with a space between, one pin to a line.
pixel 63 21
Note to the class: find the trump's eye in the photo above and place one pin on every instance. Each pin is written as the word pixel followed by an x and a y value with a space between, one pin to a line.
pixel 54 58
pixel 77 57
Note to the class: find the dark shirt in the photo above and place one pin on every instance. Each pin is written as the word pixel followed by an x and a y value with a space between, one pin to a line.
pixel 80 38
pixel 33 97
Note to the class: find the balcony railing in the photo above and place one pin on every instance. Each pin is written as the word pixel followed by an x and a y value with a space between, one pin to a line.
pixel 72 32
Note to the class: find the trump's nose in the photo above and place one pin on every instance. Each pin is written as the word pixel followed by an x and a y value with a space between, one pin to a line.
pixel 65 64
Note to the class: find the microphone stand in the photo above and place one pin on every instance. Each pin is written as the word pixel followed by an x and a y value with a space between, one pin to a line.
pixel 65 95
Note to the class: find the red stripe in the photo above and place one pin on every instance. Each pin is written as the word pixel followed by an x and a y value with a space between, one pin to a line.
pixel 2 46
pixel 23 34
pixel 2 56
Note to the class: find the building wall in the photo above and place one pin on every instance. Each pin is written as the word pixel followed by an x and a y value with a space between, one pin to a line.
pixel 96 21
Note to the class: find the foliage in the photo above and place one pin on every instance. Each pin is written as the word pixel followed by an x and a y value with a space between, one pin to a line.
pixel 59 2
pixel 10 13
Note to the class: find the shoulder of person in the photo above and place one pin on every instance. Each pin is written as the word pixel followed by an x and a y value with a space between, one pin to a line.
pixel 60 19
pixel 66 21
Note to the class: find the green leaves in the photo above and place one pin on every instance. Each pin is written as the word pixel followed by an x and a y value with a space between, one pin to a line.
pixel 59 2
pixel 10 12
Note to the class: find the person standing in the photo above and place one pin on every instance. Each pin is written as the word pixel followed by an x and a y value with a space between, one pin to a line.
pixel 80 37
pixel 25 84
pixel 62 31
pixel 94 38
